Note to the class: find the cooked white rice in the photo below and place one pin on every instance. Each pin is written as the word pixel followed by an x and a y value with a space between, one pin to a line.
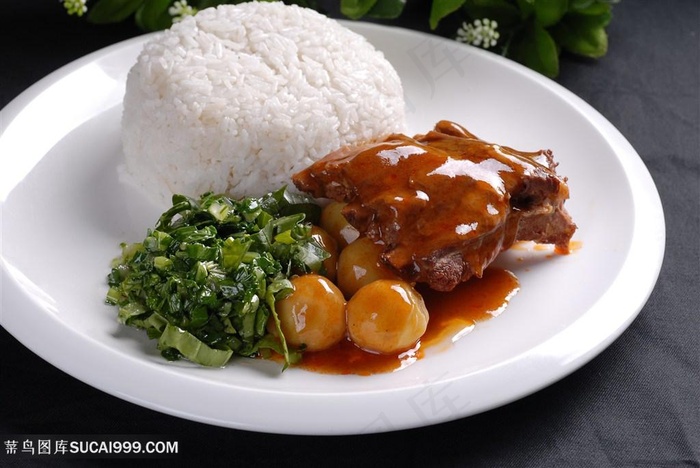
pixel 237 98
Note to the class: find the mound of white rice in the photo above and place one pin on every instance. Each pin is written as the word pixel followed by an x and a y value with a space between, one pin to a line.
pixel 238 98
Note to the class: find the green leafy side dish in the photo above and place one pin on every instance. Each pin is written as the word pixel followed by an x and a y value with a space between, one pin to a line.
pixel 205 280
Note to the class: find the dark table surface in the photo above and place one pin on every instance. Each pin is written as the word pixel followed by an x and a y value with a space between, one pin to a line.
pixel 636 404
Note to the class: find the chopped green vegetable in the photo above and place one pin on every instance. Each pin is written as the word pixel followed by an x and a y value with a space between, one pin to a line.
pixel 205 279
pixel 192 348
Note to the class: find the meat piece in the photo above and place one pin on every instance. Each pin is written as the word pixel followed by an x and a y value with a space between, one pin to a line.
pixel 446 203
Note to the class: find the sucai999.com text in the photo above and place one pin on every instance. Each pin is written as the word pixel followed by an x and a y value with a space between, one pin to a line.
pixel 87 446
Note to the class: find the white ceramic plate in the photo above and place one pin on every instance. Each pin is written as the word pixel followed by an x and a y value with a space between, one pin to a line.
pixel 64 215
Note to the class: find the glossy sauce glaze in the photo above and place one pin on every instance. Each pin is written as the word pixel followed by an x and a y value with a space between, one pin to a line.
pixel 452 315
pixel 443 204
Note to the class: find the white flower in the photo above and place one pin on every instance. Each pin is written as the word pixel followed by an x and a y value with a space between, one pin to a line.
pixel 481 33
pixel 75 7
pixel 180 10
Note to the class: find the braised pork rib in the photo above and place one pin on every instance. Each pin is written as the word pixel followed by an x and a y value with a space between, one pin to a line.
pixel 446 203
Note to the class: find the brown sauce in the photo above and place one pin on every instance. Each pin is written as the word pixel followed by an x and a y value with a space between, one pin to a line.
pixel 574 245
pixel 452 315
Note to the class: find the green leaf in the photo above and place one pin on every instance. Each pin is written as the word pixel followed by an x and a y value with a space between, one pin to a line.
pixel 297 203
pixel 278 290
pixel 527 8
pixel 130 310
pixel 198 316
pixel 502 11
pixel 549 12
pixel 592 8
pixel 232 252
pixel 154 324
pixel 535 48
pixel 356 9
pixel 311 255
pixel 153 15
pixel 583 35
pixel 192 348
pixel 387 9
pixel 112 11
pixel 575 5
pixel 441 8
pixel 162 263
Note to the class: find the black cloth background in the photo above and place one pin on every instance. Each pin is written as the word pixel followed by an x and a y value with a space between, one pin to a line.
pixel 636 404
